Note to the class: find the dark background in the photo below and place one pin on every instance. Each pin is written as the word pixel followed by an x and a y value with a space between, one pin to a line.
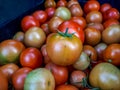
pixel 12 11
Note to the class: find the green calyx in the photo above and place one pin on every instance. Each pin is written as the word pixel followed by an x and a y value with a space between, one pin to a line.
pixel 66 34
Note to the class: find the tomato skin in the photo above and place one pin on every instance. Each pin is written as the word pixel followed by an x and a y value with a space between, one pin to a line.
pixel 112 54
pixel 3 82
pixel 104 7
pixel 66 87
pixel 40 15
pixel 49 3
pixel 31 57
pixel 91 6
pixel 60 73
pixel 28 22
pixel 19 76
pixel 61 3
pixel 10 51
pixel 105 76
pixel 63 50
pixel 73 28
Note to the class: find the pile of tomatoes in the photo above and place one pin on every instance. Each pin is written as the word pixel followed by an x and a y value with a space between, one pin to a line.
pixel 64 47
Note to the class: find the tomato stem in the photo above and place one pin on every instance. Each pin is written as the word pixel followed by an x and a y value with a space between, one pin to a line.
pixel 66 34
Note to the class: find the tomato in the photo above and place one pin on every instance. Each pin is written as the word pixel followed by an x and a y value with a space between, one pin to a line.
pixel 40 15
pixel 112 54
pixel 105 76
pixel 46 59
pixel 63 48
pixel 90 51
pixel 66 87
pixel 111 13
pixel 45 28
pixel 83 62
pixel 3 82
pixel 80 20
pixel 92 36
pixel 28 22
pixel 111 34
pixel 19 36
pixel 94 17
pixel 73 28
pixel 76 10
pixel 60 73
pixel 63 12
pixel 104 7
pixel 91 6
pixel 49 3
pixel 54 23
pixel 34 37
pixel 31 57
pixel 61 3
pixel 19 76
pixel 9 69
pixel 77 78
pixel 50 12
pixel 10 51
pixel 110 22
pixel 72 2
pixel 39 79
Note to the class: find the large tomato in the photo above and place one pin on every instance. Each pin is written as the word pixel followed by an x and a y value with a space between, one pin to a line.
pixel 73 28
pixel 31 57
pixel 10 51
pixel 63 48
pixel 60 73
pixel 105 76
pixel 19 76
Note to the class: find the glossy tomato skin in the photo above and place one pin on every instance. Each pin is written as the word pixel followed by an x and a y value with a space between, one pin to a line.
pixel 40 15
pixel 19 76
pixel 63 50
pixel 112 54
pixel 60 73
pixel 66 87
pixel 61 3
pixel 8 70
pixel 3 82
pixel 104 7
pixel 50 3
pixel 31 57
pixel 91 6
pixel 10 51
pixel 73 27
pixel 107 76
pixel 28 22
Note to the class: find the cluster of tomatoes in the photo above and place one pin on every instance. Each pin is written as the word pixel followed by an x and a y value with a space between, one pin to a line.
pixel 64 47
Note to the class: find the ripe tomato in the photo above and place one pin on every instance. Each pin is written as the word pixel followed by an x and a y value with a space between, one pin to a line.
pixel 19 76
pixel 66 87
pixel 31 57
pixel 40 15
pixel 28 22
pixel 10 51
pixel 73 28
pixel 63 48
pixel 49 3
pixel 60 73
pixel 112 54
pixel 91 6
pixel 61 3
pixel 3 82
pixel 104 7
pixel 80 20
pixel 9 69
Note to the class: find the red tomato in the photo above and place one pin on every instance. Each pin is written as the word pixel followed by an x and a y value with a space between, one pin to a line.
pixel 61 3
pixel 50 12
pixel 66 87
pixel 111 13
pixel 19 76
pixel 80 20
pixel 73 27
pixel 28 22
pixel 91 6
pixel 40 15
pixel 104 7
pixel 110 22
pixel 31 57
pixel 60 73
